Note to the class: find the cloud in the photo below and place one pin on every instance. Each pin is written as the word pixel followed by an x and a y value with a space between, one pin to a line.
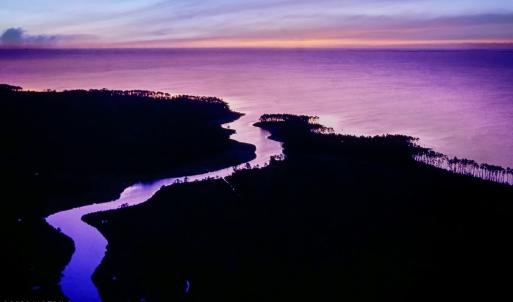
pixel 17 37
pixel 338 30
pixel 191 23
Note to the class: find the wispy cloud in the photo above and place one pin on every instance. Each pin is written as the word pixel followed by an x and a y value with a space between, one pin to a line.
pixel 183 23
pixel 339 30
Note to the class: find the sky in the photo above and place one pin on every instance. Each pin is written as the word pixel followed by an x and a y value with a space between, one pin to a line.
pixel 254 23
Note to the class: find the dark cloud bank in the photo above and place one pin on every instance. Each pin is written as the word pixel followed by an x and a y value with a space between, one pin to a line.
pixel 18 37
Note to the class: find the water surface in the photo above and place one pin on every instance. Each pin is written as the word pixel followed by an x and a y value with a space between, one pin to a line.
pixel 459 102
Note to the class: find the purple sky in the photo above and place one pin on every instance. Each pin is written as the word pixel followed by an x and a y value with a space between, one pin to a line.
pixel 254 23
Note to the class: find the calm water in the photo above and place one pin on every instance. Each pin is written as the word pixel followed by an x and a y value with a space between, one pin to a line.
pixel 458 102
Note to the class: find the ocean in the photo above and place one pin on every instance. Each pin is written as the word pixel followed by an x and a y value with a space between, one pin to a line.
pixel 459 102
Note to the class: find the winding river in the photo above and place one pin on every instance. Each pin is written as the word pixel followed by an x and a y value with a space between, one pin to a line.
pixel 90 245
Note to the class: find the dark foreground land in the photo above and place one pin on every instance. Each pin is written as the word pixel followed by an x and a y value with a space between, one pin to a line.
pixel 342 218
pixel 65 149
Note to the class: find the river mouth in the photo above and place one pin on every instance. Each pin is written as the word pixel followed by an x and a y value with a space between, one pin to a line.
pixel 90 244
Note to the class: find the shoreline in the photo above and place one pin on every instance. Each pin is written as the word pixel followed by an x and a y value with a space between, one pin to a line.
pixel 26 221
pixel 340 216
pixel 236 154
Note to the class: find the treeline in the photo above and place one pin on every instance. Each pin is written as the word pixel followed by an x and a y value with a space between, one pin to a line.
pixel 6 87
pixel 304 132
pixel 406 144
pixel 294 121
pixel 466 166
pixel 45 132
pixel 284 117
pixel 157 95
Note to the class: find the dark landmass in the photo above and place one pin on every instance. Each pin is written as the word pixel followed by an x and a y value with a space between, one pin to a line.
pixel 65 149
pixel 342 218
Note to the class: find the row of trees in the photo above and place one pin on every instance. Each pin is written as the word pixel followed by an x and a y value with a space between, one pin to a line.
pixel 311 122
pixel 6 87
pixel 157 95
pixel 283 117
pixel 140 93
pixel 466 167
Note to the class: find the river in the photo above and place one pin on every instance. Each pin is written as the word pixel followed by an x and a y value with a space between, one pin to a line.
pixel 90 245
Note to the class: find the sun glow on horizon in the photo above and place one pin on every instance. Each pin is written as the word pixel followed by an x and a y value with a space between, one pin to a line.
pixel 311 43
pixel 255 23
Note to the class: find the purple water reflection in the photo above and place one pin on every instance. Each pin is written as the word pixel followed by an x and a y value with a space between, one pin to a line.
pixel 459 102
pixel 90 245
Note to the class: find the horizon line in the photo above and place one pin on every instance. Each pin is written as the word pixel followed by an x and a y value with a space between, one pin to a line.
pixel 277 44
pixel 419 46
pixel 507 47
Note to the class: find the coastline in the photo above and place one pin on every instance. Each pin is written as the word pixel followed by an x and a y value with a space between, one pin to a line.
pixel 340 216
pixel 34 272
pixel 301 134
